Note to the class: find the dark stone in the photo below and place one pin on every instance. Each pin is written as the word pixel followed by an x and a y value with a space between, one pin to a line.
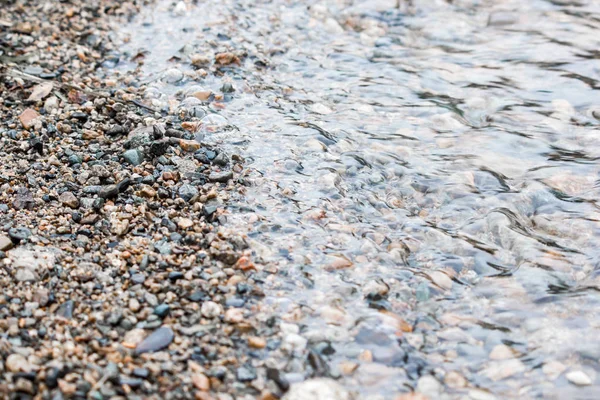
pixel 116 130
pixel 162 310
pixel 109 192
pixel 159 147
pixel 98 204
pixel 131 382
pixel 175 275
pixel 158 131
pixel 158 340
pixel 227 88
pixel 37 145
pixel 76 217
pixel 141 373
pixel 92 189
pixel 197 296
pixel 221 159
pixel 123 185
pixel 52 376
pixel 80 116
pixel 277 376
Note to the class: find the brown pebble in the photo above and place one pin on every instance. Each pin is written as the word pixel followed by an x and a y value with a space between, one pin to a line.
pixel 227 59
pixel 28 118
pixel 257 342
pixel 69 199
pixel 201 382
pixel 189 145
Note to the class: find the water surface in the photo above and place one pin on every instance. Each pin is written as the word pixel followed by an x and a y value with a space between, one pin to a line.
pixel 424 179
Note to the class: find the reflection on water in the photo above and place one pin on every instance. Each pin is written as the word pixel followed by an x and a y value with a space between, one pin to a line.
pixel 424 179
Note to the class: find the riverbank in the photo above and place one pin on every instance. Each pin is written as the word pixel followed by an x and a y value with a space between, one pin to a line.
pixel 118 279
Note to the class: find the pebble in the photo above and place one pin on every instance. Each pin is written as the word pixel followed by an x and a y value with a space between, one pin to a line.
pixel 108 192
pixel 17 363
pixel 187 192
pixel 162 310
pixel 211 309
pixel 317 389
pixel 553 369
pixel 17 235
pixel 246 374
pixel 223 177
pixel 5 243
pixel 158 340
pixel 578 378
pixel 66 309
pixel 133 157
pixel 172 75
pixel 501 352
pixel 28 118
pixel 69 199
pixel 499 370
pixel 257 342
pixel 201 382
pixel 185 223
pixel 133 338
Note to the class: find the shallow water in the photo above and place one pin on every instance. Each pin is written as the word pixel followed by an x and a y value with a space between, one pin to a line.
pixel 423 179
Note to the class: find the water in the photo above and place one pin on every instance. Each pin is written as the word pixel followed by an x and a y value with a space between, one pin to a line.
pixel 424 179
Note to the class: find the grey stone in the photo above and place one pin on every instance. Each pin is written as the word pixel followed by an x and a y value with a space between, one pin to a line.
pixel 133 157
pixel 220 176
pixel 158 340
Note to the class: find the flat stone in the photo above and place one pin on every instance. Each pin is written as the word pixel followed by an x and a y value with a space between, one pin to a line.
pixel 5 243
pixel 222 177
pixel 25 275
pixel 499 370
pixel 66 309
pixel 19 234
pixel 28 118
pixel 158 340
